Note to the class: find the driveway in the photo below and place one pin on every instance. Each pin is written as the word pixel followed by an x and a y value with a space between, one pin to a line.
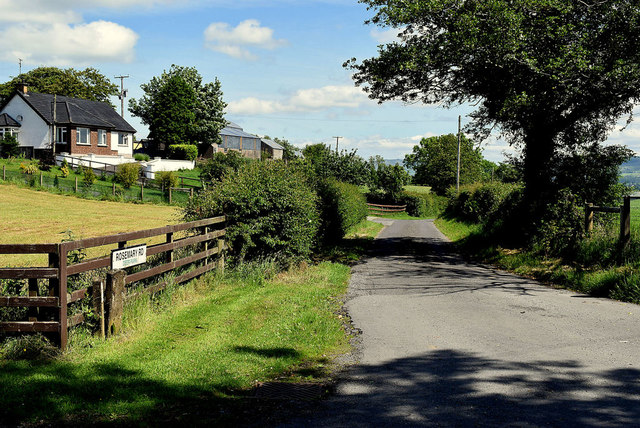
pixel 450 343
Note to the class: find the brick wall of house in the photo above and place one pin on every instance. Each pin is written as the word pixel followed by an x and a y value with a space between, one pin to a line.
pixel 79 149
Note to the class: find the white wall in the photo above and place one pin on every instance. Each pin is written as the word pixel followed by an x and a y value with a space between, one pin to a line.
pixel 34 130
pixel 122 150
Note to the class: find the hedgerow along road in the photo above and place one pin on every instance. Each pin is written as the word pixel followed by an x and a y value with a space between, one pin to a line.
pixel 446 342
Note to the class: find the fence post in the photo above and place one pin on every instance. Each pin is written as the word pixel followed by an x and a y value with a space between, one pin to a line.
pixel 588 218
pixel 76 184
pixel 169 253
pixel 98 304
pixel 40 178
pixel 142 191
pixel 33 292
pixel 221 255
pixel 625 220
pixel 4 172
pixel 62 294
pixel 191 193
pixel 170 188
pixel 114 301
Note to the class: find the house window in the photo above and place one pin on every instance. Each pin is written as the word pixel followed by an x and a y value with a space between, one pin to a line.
pixel 102 137
pixel 61 135
pixel 8 131
pixel 83 136
pixel 123 139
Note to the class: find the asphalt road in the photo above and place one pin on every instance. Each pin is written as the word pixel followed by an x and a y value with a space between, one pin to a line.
pixel 450 343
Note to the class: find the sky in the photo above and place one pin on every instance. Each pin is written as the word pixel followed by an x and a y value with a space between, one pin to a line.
pixel 279 63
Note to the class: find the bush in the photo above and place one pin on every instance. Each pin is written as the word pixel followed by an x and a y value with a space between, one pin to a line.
pixel 166 179
pixel 29 168
pixel 423 204
pixel 271 211
pixel 219 164
pixel 9 146
pixel 183 151
pixel 88 176
pixel 478 202
pixel 127 174
pixel 64 171
pixel 342 206
pixel 141 157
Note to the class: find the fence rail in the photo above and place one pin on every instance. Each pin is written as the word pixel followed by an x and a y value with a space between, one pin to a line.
pixel 51 314
pixel 381 209
pixel 625 217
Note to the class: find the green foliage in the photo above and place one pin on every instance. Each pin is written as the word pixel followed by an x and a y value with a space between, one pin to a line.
pixel 28 347
pixel 64 170
pixel 173 122
pixel 9 146
pixel 88 84
pixel 550 74
pixel 271 211
pixel 388 179
pixel 342 206
pixel 29 168
pixel 127 174
pixel 208 108
pixel 183 151
pixel 166 179
pixel 141 157
pixel 422 204
pixel 435 162
pixel 478 202
pixel 88 176
pixel 221 163
pixel 345 166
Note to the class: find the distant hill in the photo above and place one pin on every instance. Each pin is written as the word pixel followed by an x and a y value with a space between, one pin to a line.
pixel 630 172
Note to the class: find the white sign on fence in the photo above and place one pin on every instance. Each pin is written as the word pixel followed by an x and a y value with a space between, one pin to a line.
pixel 127 257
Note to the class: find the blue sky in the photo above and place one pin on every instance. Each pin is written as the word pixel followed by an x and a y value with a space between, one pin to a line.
pixel 279 63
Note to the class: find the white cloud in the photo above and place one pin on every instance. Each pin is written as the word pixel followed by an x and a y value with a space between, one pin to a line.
pixel 385 36
pixel 303 100
pixel 64 44
pixel 235 42
pixel 53 33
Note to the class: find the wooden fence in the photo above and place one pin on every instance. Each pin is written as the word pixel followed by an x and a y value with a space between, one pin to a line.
pixel 382 209
pixel 625 217
pixel 49 314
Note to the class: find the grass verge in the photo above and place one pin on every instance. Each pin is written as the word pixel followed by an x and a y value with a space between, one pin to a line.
pixel 620 282
pixel 192 354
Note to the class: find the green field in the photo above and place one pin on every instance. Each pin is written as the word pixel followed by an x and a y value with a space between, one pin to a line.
pixel 30 217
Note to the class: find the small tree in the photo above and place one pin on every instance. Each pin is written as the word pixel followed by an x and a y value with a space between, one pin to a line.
pixel 388 179
pixel 166 179
pixel 9 146
pixel 219 164
pixel 127 174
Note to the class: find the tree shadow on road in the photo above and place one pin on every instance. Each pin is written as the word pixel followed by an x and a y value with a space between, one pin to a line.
pixel 453 388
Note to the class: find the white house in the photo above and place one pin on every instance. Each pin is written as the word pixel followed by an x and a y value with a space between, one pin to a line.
pixel 80 126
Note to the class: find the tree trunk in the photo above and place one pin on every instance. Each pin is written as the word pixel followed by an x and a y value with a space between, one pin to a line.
pixel 539 151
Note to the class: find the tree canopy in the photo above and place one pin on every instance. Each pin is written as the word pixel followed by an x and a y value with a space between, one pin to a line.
pixel 345 166
pixel 88 84
pixel 208 109
pixel 435 162
pixel 174 119
pixel 549 74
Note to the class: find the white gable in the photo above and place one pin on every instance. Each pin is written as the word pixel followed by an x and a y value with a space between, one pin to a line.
pixel 34 131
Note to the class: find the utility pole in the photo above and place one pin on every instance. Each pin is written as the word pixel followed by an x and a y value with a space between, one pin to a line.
pixel 458 171
pixel 337 139
pixel 123 93
pixel 20 65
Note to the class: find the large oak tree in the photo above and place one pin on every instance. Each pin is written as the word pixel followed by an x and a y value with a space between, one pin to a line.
pixel 551 75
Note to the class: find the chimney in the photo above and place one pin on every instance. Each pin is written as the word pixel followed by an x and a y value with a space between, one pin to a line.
pixel 22 87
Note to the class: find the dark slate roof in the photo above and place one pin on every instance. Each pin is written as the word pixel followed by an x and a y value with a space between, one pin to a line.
pixel 6 120
pixel 76 111
pixel 272 144
pixel 236 131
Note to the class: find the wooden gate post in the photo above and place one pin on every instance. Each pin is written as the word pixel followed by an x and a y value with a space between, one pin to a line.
pixel 98 304
pixel 221 255
pixel 588 218
pixel 625 221
pixel 114 303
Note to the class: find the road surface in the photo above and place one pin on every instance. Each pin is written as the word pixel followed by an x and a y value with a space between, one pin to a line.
pixel 450 343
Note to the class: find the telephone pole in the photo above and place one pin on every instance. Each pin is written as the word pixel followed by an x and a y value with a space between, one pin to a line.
pixel 337 139
pixel 122 94
pixel 20 65
pixel 458 170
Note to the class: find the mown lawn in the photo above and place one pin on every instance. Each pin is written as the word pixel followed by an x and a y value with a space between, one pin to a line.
pixel 193 359
pixel 28 217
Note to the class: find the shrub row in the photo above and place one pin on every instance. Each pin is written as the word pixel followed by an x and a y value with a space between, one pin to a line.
pixel 342 206
pixel 478 202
